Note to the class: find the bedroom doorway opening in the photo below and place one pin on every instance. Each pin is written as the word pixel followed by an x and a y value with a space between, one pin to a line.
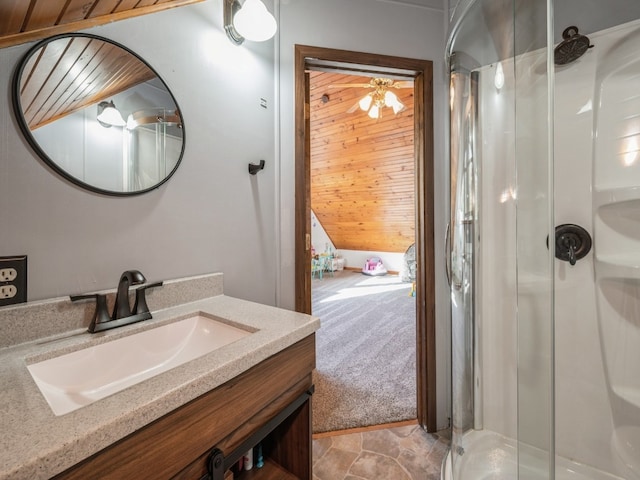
pixel 362 216
pixel 337 67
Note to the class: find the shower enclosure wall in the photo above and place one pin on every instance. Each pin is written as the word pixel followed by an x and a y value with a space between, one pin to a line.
pixel 545 351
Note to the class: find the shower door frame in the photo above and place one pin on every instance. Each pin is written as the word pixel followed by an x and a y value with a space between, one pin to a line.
pixel 463 218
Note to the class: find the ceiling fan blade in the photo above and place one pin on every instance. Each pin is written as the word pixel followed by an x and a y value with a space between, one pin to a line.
pixel 354 107
pixel 407 84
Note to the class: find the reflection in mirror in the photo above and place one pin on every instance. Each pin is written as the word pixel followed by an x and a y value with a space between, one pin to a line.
pixel 61 87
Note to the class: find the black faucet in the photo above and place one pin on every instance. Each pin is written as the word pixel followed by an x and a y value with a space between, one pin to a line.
pixel 122 307
pixel 122 313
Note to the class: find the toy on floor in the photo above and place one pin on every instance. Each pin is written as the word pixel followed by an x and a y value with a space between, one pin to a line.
pixel 373 266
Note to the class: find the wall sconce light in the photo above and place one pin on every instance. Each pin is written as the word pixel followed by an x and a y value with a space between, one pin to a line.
pixel 251 21
pixel 109 116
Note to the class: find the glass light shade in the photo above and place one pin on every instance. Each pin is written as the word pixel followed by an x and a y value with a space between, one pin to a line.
pixel 374 112
pixel 397 107
pixel 254 22
pixel 365 102
pixel 390 98
pixel 111 116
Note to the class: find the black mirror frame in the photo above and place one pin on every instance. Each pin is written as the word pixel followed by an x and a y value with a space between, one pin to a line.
pixel 26 131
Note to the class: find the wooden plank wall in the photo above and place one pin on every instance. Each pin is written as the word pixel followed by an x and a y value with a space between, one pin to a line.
pixel 362 170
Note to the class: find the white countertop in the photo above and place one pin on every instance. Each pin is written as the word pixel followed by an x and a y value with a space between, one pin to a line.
pixel 35 444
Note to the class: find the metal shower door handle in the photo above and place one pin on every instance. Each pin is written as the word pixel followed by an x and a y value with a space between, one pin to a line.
pixel 447 253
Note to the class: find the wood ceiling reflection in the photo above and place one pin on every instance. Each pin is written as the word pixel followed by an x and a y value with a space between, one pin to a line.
pixel 362 170
pixel 70 74
pixel 23 20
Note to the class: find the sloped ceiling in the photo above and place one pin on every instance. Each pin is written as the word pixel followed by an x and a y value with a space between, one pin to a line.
pixel 66 76
pixel 73 73
pixel 27 20
pixel 362 170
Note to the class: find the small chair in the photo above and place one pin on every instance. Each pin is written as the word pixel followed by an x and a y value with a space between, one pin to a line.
pixel 327 264
pixel 317 267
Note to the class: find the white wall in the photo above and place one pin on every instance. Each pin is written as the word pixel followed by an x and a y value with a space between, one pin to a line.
pixel 393 262
pixel 320 240
pixel 412 29
pixel 211 216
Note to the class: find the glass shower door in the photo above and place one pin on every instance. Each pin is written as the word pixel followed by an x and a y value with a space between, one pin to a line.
pixel 501 268
pixel 533 74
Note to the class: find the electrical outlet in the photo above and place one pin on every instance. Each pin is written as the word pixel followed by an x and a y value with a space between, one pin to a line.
pixel 8 274
pixel 8 291
pixel 13 280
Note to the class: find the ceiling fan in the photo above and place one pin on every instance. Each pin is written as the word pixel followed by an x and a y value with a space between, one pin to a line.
pixel 379 97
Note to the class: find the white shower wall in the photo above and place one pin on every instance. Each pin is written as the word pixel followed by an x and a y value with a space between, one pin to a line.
pixel 583 420
pixel 583 411
pixel 496 287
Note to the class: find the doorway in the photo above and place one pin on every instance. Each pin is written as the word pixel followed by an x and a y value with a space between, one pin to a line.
pixel 420 71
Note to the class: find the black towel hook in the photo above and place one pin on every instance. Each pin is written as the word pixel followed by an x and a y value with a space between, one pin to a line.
pixel 253 168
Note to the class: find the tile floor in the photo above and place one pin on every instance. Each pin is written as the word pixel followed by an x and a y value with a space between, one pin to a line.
pixel 396 453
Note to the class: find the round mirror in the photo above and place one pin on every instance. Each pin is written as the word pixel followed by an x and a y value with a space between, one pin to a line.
pixel 98 114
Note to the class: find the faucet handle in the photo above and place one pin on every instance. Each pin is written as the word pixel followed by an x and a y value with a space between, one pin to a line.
pixel 140 305
pixel 101 314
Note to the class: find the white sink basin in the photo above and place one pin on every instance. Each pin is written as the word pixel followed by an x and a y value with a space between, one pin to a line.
pixel 76 379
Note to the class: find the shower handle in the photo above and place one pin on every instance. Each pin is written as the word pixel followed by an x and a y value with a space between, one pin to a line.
pixel 572 242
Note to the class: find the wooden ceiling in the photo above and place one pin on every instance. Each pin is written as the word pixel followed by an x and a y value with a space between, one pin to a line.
pixel 68 75
pixel 362 170
pixel 27 20
pixel 72 73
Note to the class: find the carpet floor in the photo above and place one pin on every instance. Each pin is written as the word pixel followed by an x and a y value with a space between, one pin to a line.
pixel 366 351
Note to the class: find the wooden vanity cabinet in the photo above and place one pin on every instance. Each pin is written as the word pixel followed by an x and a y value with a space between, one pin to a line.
pixel 179 444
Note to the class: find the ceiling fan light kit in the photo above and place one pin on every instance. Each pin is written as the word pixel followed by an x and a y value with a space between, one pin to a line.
pixel 375 112
pixel 374 101
pixel 365 102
